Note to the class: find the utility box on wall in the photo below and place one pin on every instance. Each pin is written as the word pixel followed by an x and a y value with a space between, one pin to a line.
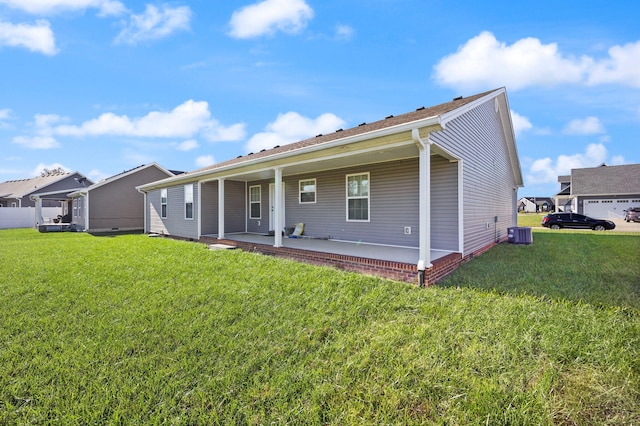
pixel 520 235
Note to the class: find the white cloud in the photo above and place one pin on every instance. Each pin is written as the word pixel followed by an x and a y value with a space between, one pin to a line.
pixel 484 61
pixel 184 121
pixel 520 123
pixel 269 16
pixel 621 67
pixel 155 23
pixel 188 145
pixel 545 170
pixel 584 126
pixel 36 38
pixel 40 168
pixel 292 127
pixel 344 32
pixel 42 138
pixel 39 7
pixel 617 160
pixel 36 142
pixel 205 161
pixel 5 113
pixel 96 175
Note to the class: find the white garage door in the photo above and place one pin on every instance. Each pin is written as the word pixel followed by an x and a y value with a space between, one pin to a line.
pixel 608 209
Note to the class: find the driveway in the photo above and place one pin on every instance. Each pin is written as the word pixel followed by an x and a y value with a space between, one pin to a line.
pixel 623 226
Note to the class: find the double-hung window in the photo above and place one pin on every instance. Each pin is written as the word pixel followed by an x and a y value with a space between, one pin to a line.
pixel 358 197
pixel 163 203
pixel 255 202
pixel 307 189
pixel 188 201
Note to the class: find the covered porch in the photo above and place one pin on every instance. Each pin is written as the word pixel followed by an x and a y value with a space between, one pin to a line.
pixel 407 255
pixel 415 184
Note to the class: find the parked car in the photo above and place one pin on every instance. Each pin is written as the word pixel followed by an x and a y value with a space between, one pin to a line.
pixel 632 214
pixel 575 220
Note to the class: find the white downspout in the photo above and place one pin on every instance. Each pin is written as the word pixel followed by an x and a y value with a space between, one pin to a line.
pixel 86 212
pixel 145 223
pixel 277 214
pixel 221 208
pixel 424 213
pixel 461 206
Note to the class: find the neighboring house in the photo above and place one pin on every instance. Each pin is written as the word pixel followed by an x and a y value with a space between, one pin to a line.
pixel 40 199
pixel 438 184
pixel 527 205
pixel 114 204
pixel 18 193
pixel 602 192
pixel 535 204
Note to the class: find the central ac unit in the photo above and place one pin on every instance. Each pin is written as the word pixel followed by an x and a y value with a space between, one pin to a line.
pixel 520 235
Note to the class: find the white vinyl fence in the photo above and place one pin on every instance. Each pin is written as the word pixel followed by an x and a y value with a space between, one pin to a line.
pixel 25 217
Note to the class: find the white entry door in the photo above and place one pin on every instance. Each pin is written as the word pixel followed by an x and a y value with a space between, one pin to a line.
pixel 272 205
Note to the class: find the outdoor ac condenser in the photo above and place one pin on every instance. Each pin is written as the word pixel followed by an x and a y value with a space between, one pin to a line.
pixel 520 235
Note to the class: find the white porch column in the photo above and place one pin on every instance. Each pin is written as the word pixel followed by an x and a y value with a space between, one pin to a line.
pixel 277 209
pixel 424 251
pixel 38 218
pixel 221 208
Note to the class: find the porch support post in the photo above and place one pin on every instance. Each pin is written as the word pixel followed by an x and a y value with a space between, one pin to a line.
pixel 277 209
pixel 221 208
pixel 424 148
pixel 38 217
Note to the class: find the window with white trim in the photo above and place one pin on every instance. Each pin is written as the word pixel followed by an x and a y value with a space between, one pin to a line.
pixel 255 202
pixel 163 203
pixel 307 190
pixel 75 207
pixel 358 197
pixel 188 201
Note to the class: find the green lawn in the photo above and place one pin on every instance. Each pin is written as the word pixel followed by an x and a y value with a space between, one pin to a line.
pixel 530 219
pixel 139 330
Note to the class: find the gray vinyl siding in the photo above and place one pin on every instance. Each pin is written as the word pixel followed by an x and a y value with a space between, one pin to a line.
pixel 488 191
pixel 393 204
pixel 444 204
pixel 175 223
pixel 235 206
pixel 209 207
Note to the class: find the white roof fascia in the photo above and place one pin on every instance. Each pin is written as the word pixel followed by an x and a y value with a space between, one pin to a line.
pixel 507 128
pixel 45 194
pixel 424 122
pixel 451 115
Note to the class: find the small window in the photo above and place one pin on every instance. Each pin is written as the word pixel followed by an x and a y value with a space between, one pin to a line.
pixel 358 197
pixel 307 191
pixel 75 207
pixel 163 203
pixel 188 201
pixel 255 202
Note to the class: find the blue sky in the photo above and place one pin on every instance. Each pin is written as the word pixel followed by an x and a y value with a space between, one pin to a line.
pixel 102 86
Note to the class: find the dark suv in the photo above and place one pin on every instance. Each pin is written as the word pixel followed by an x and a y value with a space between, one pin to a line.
pixel 632 214
pixel 575 220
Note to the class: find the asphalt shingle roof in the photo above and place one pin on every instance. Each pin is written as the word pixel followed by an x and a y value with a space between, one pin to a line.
pixel 606 180
pixel 20 188
pixel 390 121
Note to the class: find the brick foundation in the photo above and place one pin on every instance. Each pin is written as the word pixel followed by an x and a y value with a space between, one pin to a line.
pixel 387 269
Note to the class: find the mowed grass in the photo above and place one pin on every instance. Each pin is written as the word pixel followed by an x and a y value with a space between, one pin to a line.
pixel 139 330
